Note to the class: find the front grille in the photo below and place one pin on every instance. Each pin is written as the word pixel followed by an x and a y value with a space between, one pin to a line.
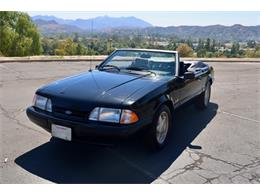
pixel 69 112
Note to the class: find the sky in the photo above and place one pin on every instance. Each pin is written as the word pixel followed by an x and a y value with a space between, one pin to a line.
pixel 170 18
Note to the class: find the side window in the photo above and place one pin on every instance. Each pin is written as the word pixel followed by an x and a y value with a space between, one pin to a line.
pixel 198 66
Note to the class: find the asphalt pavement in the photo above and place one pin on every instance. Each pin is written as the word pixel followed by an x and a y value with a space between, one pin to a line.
pixel 217 145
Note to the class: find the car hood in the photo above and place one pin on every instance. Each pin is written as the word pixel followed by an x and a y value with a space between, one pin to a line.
pixel 97 88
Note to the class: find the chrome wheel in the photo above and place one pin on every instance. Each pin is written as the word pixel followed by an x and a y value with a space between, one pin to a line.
pixel 207 95
pixel 162 127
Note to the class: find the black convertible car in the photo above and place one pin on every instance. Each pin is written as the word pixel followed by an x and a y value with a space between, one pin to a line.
pixel 131 89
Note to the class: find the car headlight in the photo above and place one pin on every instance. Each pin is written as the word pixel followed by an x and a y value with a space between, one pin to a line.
pixel 42 103
pixel 113 115
pixel 49 105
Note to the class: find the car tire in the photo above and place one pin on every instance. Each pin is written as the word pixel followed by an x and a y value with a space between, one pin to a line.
pixel 160 128
pixel 203 99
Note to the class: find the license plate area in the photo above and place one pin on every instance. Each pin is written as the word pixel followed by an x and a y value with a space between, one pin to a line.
pixel 61 132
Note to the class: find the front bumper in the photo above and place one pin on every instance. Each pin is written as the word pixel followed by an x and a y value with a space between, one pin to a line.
pixel 86 129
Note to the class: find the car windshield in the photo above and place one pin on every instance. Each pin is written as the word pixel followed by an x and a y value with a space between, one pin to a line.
pixel 158 62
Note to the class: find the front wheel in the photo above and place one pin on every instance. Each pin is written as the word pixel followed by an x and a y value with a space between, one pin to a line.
pixel 160 127
pixel 202 101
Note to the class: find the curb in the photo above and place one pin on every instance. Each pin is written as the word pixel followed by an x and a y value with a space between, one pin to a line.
pixel 51 58
pixel 253 60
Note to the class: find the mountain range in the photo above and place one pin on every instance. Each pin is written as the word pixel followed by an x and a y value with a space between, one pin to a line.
pixel 98 23
pixel 235 32
pixel 50 25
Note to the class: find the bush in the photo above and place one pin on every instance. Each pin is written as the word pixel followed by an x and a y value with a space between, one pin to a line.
pixel 252 53
pixel 185 50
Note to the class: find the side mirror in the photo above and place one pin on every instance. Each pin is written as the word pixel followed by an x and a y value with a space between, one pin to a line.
pixel 96 67
pixel 189 75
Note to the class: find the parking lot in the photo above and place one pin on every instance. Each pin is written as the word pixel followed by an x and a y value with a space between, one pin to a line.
pixel 218 145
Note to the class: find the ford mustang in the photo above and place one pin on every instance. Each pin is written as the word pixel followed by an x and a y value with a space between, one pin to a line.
pixel 130 90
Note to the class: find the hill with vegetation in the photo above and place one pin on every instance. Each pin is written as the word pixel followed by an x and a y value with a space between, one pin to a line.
pixel 133 25
pixel 235 32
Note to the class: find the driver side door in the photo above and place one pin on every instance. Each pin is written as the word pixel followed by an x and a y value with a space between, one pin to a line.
pixel 183 89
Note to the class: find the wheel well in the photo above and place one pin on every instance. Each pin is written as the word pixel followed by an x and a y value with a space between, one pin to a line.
pixel 170 106
pixel 165 101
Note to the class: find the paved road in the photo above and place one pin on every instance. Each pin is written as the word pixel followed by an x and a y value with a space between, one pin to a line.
pixel 218 145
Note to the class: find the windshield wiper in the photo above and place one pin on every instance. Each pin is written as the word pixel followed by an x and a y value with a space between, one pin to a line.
pixel 109 66
pixel 140 69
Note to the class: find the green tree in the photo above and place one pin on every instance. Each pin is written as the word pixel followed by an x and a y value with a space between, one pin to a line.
pixel 235 50
pixel 81 50
pixel 172 45
pixel 18 35
pixel 213 46
pixel 251 44
pixel 189 43
pixel 201 53
pixel 67 47
pixel 200 44
pixel 76 38
pixel 207 45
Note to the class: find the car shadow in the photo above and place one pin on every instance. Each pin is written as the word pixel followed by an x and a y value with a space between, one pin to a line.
pixel 128 162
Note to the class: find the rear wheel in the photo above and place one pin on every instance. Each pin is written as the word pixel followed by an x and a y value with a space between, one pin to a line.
pixel 160 127
pixel 202 101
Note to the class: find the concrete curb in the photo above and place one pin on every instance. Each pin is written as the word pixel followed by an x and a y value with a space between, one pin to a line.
pixel 223 59
pixel 51 58
pixel 100 58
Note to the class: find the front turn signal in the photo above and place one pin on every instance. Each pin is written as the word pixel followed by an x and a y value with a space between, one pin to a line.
pixel 128 117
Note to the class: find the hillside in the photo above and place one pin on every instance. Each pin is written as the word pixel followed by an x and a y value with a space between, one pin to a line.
pixel 99 23
pixel 51 27
pixel 132 25
pixel 219 32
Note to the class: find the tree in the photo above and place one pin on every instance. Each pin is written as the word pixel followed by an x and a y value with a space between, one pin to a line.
pixel 81 50
pixel 235 50
pixel 200 44
pixel 76 38
pixel 185 50
pixel 201 53
pixel 207 45
pixel 18 35
pixel 66 47
pixel 251 44
pixel 172 45
pixel 213 46
pixel 189 43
